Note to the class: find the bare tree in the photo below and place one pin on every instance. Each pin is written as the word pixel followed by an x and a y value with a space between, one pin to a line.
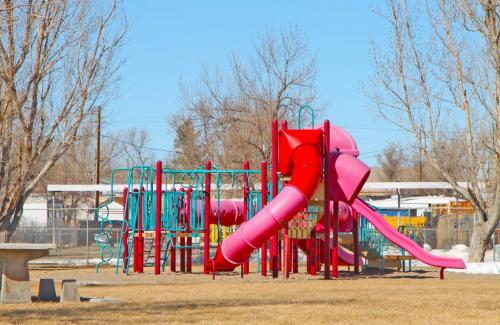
pixel 134 144
pixel 232 113
pixel 57 63
pixel 189 153
pixel 440 80
pixel 391 162
pixel 77 165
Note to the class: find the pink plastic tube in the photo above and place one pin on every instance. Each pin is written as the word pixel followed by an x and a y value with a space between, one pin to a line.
pixel 305 177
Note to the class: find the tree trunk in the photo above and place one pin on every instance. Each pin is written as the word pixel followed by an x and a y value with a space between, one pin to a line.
pixel 479 242
pixel 5 235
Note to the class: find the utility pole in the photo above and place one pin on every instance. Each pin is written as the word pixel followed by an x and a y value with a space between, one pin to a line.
pixel 420 165
pixel 98 155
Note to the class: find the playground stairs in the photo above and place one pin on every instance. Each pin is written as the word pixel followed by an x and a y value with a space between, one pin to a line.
pixel 382 254
pixel 150 249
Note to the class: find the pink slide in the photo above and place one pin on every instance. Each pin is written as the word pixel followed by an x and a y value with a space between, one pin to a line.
pixel 306 164
pixel 402 241
pixel 348 257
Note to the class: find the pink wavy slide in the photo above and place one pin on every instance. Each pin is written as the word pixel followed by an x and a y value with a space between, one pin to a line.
pixel 402 241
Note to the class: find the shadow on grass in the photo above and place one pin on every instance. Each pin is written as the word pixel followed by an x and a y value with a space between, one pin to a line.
pixel 375 273
pixel 91 311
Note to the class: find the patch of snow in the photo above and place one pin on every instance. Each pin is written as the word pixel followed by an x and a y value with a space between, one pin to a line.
pixel 479 268
pixel 459 251
pixel 427 247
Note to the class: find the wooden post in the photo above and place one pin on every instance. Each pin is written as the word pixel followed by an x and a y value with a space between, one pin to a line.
pixel 98 155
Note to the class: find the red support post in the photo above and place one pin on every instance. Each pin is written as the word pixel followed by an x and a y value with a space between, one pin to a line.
pixel 295 257
pixel 326 199
pixel 135 245
pixel 183 254
pixel 182 240
pixel 335 244
pixel 125 229
pixel 308 256
pixel 140 240
pixel 173 255
pixel 355 240
pixel 314 257
pixel 283 248
pixel 288 256
pixel 189 239
pixel 206 236
pixel 274 183
pixel 246 166
pixel 159 174
pixel 263 249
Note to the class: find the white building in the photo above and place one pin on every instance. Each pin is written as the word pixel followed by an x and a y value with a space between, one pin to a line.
pixel 38 212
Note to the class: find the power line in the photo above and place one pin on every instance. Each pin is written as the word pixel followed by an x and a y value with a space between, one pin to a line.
pixel 136 146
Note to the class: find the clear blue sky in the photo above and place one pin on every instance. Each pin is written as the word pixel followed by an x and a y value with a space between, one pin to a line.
pixel 169 41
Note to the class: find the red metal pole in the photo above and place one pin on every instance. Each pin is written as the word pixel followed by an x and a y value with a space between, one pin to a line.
pixel 283 248
pixel 189 239
pixel 159 174
pixel 125 229
pixel 263 250
pixel 182 239
pixel 135 245
pixel 355 240
pixel 173 255
pixel 274 184
pixel 246 166
pixel 314 256
pixel 206 237
pixel 326 194
pixel 295 252
pixel 140 251
pixel 335 248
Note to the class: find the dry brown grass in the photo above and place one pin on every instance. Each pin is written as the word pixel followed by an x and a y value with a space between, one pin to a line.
pixel 418 297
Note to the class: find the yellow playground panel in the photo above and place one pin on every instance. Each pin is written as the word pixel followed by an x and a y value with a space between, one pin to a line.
pixel 214 234
pixel 415 221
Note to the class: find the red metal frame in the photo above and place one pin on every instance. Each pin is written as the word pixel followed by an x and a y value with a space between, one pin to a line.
pixel 326 200
pixel 335 242
pixel 173 255
pixel 274 182
pixel 182 244
pixel 125 230
pixel 355 240
pixel 140 240
pixel 189 239
pixel 283 248
pixel 206 237
pixel 246 166
pixel 159 173
pixel 295 256
pixel 263 250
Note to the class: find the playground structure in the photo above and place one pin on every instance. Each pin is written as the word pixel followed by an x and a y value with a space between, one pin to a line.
pixel 310 202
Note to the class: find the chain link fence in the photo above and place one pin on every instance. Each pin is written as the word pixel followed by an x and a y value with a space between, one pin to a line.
pixel 74 230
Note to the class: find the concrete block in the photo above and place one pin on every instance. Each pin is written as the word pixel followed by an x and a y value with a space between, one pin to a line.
pixel 69 291
pixel 47 290
pixel 14 291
